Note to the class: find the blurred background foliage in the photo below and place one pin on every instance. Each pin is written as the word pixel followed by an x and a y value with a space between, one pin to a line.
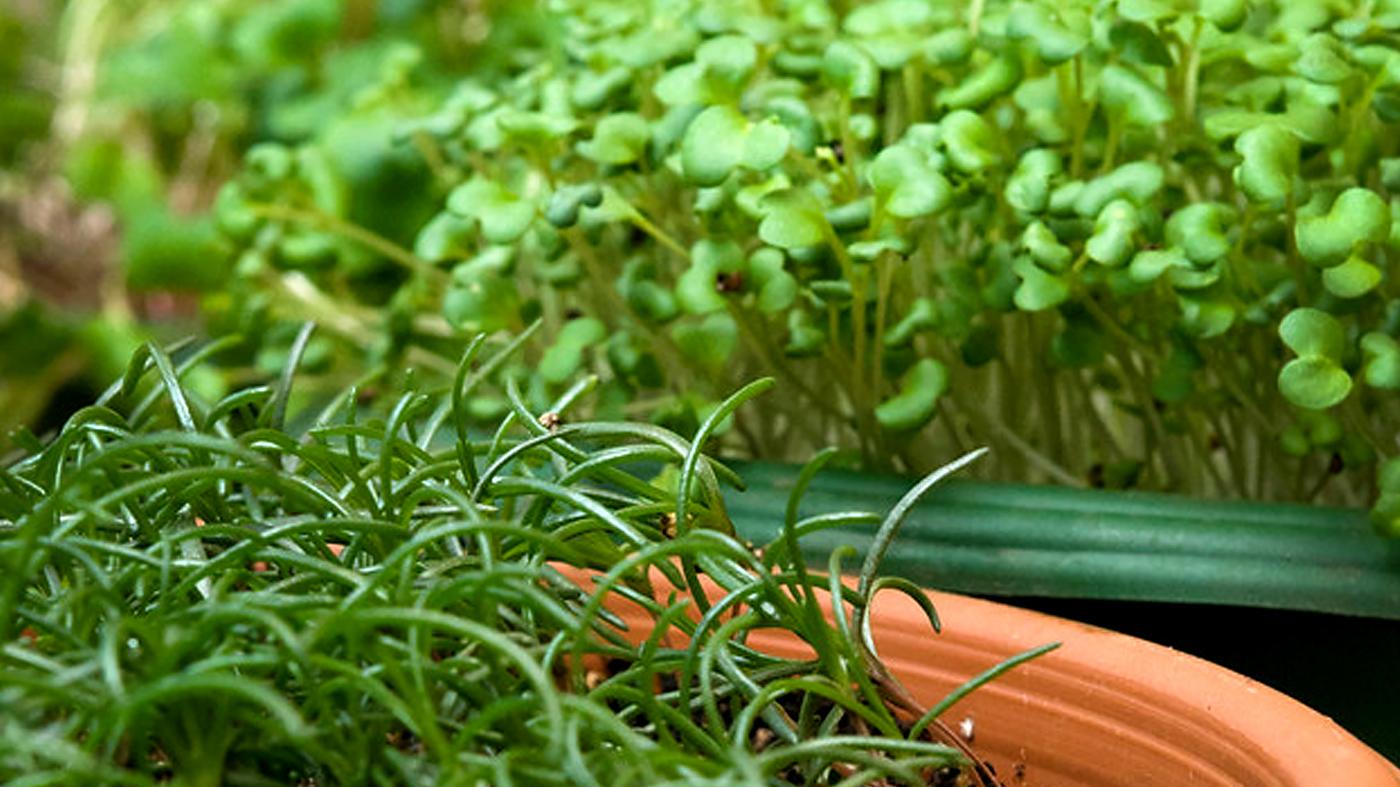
pixel 121 119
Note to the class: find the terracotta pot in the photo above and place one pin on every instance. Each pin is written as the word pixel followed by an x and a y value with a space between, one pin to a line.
pixel 1103 710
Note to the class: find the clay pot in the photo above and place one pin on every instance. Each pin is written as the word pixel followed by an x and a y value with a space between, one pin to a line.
pixel 1104 710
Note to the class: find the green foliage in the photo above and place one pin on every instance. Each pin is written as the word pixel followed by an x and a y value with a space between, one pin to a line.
pixel 1095 218
pixel 194 593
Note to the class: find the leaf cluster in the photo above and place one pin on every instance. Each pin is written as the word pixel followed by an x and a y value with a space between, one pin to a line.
pixel 906 209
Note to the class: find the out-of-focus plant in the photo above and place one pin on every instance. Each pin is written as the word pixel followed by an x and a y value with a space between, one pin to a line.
pixel 120 120
pixel 1136 244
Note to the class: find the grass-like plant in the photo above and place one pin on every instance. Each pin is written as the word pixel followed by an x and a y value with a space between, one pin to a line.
pixel 218 592
pixel 1135 244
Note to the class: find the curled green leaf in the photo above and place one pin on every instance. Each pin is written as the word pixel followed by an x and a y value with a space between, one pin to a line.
pixel 1314 383
pixel 1112 242
pixel 972 144
pixel 1352 279
pixel 1270 161
pixel 1028 188
pixel 917 400
pixel 1150 264
pixel 1038 290
pixel 905 184
pixel 1199 230
pixel 1381 368
pixel 850 70
pixel 997 77
pixel 919 318
pixel 1358 216
pixel 1307 331
pixel 1045 248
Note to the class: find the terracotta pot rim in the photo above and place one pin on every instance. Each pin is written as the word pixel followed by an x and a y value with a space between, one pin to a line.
pixel 1104 708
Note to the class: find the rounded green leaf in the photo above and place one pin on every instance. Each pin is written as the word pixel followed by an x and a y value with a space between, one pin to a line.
pixel 1045 248
pixel 1312 332
pixel 727 60
pixel 792 219
pixel 233 214
pixel 713 145
pixel 443 238
pixel 1200 231
pixel 592 90
pixel 1358 216
pixel 1322 59
pixel 1314 383
pixel 1294 441
pixel 1205 318
pixel 765 144
pixel 1227 15
pixel 533 128
pixel 1385 515
pixel 919 318
pixel 850 70
pixel 1038 290
pixel 696 290
pixel 720 140
pixel 1270 161
pixel 682 85
pixel 1112 242
pixel 805 338
pixel 851 217
pixel 1139 43
pixel 709 342
pixel 1381 368
pixel 481 297
pixel 1351 279
pixel 1150 264
pixel 905 183
pixel 948 47
pixel 503 216
pixel 566 202
pixel 777 289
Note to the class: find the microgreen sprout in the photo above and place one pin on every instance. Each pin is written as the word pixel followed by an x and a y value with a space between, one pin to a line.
pixel 1088 234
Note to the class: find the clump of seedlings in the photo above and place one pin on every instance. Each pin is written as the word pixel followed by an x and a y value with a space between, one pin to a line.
pixel 265 589
pixel 1133 244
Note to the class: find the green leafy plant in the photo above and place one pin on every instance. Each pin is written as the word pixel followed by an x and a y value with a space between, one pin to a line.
pixel 119 122
pixel 207 592
pixel 1088 234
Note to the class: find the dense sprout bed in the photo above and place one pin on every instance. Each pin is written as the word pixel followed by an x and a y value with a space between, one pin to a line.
pixel 1135 244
